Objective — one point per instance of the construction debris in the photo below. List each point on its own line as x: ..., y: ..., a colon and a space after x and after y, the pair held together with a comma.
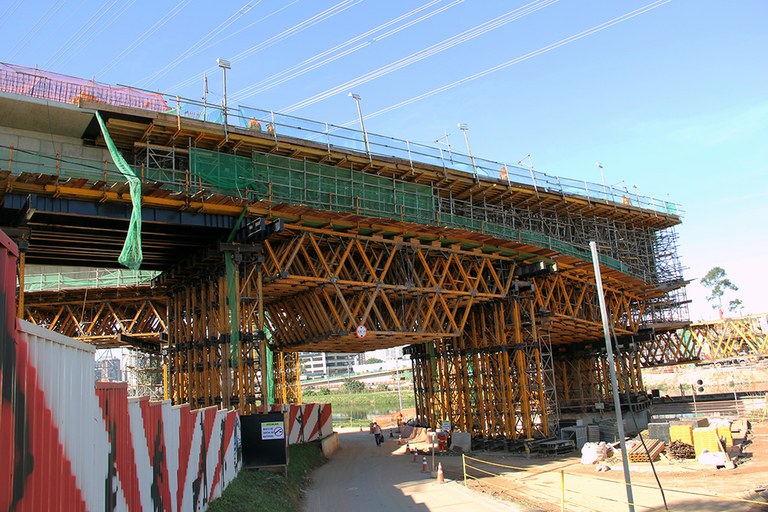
x: 681, y: 450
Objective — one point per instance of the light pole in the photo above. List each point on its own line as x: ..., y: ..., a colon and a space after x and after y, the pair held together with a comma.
x: 357, y: 98
x: 224, y: 65
x: 464, y: 127
x: 397, y: 377
x: 602, y: 176
x: 612, y: 370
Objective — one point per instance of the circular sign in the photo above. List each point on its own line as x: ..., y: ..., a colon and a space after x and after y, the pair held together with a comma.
x: 361, y: 331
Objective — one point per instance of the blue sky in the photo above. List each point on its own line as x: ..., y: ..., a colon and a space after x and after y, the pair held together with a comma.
x: 674, y: 100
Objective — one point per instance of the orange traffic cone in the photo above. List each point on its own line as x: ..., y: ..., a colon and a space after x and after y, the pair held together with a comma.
x: 407, y: 448
x: 400, y: 440
x: 361, y: 429
x: 415, y: 455
x: 440, y: 477
x: 424, y: 465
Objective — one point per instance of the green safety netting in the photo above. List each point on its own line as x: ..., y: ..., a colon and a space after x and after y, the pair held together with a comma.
x: 283, y: 179
x: 131, y: 255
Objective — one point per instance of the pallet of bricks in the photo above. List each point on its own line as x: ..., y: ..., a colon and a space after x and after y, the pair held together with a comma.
x: 638, y: 452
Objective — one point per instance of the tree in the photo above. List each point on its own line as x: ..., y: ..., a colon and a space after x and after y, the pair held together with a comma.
x: 373, y: 360
x: 717, y: 282
x: 353, y: 386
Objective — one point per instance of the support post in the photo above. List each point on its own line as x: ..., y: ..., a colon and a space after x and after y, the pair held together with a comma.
x: 612, y: 368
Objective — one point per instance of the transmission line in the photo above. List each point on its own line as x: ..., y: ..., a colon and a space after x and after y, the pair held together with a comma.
x: 295, y: 29
x: 329, y: 55
x: 446, y: 44
x: 517, y: 60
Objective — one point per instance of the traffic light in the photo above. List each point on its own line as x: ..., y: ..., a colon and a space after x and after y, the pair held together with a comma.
x: 699, y: 386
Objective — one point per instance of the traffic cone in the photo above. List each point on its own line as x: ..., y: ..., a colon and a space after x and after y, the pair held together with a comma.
x: 440, y: 477
x: 361, y: 429
x: 424, y: 465
x: 400, y: 440
x: 407, y: 448
x: 415, y: 455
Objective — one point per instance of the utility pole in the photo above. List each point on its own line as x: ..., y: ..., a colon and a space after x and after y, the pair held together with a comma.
x: 612, y: 367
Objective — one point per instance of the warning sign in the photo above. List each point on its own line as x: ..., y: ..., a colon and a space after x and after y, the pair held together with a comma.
x: 272, y: 430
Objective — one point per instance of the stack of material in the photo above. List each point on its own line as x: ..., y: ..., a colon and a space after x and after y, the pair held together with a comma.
x: 593, y: 433
x: 659, y: 431
x: 681, y: 450
x: 609, y: 431
x: 681, y: 432
x: 638, y: 453
x: 581, y: 435
x: 706, y: 439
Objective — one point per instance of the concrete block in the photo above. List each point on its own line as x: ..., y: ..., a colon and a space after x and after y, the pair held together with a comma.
x: 330, y: 444
x: 461, y: 442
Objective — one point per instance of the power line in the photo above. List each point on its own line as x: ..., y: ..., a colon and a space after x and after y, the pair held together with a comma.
x: 143, y: 37
x: 8, y: 12
x: 74, y: 38
x: 517, y: 60
x: 41, y: 21
x: 423, y: 54
x: 328, y: 56
x: 94, y: 32
x: 242, y: 11
x: 295, y: 29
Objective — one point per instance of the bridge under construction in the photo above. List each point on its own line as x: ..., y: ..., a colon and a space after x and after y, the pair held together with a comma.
x: 254, y: 236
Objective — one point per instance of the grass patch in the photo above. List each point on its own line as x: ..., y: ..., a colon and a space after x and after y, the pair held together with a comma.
x: 380, y: 401
x: 265, y: 490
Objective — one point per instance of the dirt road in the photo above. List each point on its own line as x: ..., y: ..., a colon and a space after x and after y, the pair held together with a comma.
x: 364, y: 477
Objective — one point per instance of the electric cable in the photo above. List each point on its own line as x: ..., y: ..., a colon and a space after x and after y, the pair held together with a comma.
x: 41, y: 21
x: 617, y: 350
x: 242, y: 11
x: 295, y: 29
x: 436, y: 48
x: 516, y: 60
x: 145, y: 35
x: 328, y: 55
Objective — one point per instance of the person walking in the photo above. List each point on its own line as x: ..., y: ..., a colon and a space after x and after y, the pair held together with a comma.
x: 377, y: 434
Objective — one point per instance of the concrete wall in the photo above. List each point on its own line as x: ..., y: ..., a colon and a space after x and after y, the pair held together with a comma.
x: 49, y: 144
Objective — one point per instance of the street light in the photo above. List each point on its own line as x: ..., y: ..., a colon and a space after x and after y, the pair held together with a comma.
x: 605, y: 189
x: 224, y: 65
x: 397, y: 377
x: 464, y: 127
x: 357, y: 98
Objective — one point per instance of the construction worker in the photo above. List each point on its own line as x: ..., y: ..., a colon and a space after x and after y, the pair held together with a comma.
x: 503, y: 175
x: 377, y: 434
x: 270, y: 129
x: 254, y: 125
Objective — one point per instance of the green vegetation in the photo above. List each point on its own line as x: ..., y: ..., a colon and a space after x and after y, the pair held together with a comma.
x: 373, y: 360
x: 377, y: 401
x: 718, y: 283
x: 265, y: 490
x: 354, y: 386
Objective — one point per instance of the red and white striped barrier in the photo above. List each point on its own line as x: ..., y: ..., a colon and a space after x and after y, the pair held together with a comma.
x: 309, y: 422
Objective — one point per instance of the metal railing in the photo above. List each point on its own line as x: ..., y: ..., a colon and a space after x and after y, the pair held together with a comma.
x: 56, y: 87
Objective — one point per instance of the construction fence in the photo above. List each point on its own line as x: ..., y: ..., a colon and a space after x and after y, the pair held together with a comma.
x: 573, y: 491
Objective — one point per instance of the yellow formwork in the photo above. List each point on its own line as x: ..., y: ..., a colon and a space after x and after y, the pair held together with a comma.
x: 706, y: 438
x: 682, y: 433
